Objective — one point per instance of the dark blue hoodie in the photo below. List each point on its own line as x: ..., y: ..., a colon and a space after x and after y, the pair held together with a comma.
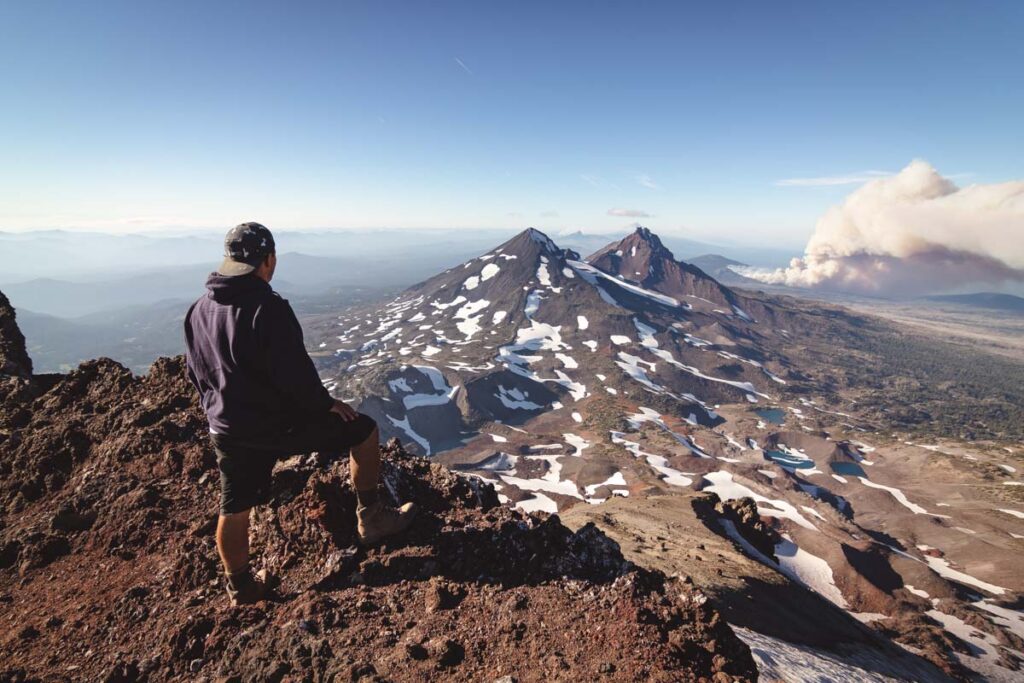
x: 246, y: 357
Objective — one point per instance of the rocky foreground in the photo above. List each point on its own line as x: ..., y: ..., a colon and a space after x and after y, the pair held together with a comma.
x: 108, y: 569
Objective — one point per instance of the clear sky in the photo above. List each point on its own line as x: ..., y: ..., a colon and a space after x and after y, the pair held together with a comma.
x: 692, y: 118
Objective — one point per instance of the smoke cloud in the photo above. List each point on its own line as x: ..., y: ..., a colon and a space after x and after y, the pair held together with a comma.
x: 910, y: 234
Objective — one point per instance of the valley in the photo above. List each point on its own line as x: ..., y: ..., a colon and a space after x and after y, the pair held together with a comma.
x: 884, y: 482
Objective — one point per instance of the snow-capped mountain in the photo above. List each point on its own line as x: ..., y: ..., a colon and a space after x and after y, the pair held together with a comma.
x: 642, y: 258
x: 529, y: 328
x: 629, y: 374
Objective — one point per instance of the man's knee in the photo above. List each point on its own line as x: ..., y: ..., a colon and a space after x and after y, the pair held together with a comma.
x: 370, y: 427
x: 237, y: 517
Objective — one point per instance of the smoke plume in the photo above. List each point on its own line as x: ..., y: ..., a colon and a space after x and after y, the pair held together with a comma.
x: 913, y: 233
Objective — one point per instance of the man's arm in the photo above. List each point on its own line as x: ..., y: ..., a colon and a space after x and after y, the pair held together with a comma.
x: 289, y: 366
x: 188, y: 349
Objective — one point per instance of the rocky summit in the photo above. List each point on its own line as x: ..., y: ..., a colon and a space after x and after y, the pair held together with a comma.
x: 108, y: 570
x: 642, y: 257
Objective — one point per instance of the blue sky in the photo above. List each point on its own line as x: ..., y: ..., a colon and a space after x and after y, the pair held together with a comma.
x: 136, y: 115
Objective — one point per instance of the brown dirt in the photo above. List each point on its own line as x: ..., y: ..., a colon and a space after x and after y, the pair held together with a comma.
x: 108, y: 569
x: 671, y: 533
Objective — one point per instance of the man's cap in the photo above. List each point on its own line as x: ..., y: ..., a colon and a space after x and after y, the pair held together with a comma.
x: 245, y: 247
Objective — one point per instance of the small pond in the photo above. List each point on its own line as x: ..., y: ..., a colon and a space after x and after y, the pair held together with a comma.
x: 850, y: 468
x: 776, y: 416
x: 793, y: 462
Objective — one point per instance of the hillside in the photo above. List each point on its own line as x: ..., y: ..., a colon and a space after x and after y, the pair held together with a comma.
x: 629, y: 377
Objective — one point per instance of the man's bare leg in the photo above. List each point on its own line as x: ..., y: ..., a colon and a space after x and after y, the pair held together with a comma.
x: 364, y: 461
x: 375, y: 520
x: 233, y: 547
x: 233, y: 541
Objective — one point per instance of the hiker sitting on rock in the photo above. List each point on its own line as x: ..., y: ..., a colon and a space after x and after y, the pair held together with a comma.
x: 264, y: 401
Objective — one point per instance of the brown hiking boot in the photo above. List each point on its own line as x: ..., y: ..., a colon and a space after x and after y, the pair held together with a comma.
x: 377, y: 521
x: 245, y: 589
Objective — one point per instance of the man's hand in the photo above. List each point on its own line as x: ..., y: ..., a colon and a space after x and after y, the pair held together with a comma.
x: 345, y: 410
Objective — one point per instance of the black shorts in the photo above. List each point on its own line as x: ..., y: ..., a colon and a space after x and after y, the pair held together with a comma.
x: 246, y: 464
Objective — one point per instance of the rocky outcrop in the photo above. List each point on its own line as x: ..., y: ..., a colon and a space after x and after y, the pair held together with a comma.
x: 16, y: 385
x: 108, y: 568
x: 14, y: 359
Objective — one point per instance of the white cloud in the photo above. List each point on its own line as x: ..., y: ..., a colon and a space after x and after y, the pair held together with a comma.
x: 463, y: 65
x: 629, y: 213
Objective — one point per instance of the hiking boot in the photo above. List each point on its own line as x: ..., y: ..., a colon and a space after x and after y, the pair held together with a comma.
x: 245, y: 589
x: 377, y: 521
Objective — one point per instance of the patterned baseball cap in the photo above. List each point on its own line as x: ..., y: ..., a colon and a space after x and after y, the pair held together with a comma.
x: 245, y: 247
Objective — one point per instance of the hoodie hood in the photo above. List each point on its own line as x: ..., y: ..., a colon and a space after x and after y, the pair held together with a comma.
x: 228, y: 289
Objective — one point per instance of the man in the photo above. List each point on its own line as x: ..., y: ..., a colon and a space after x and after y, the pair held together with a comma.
x: 264, y: 401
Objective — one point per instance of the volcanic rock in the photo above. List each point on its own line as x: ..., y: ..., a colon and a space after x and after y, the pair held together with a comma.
x: 103, y: 533
x: 14, y: 359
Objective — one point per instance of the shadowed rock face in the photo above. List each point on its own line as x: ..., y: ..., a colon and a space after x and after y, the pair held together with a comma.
x: 108, y: 492
x: 17, y: 387
x: 14, y: 358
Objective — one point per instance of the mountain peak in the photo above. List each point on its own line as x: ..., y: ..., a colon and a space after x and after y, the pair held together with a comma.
x: 530, y: 244
x: 646, y: 234
x: 547, y: 244
x: 641, y: 257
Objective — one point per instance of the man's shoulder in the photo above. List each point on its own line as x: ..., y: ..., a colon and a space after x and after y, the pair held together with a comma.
x: 275, y: 300
x: 275, y: 305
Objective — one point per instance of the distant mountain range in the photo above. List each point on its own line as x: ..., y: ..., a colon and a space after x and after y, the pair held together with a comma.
x: 83, y: 256
x: 721, y: 268
x: 319, y: 259
x: 992, y: 300
x: 135, y: 335
x: 297, y: 274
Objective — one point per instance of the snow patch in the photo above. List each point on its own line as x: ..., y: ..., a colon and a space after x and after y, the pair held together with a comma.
x: 727, y: 489
x: 403, y: 424
x: 538, y: 503
x: 810, y: 570
x: 900, y: 497
x: 659, y: 463
x: 489, y: 271
x: 515, y: 399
